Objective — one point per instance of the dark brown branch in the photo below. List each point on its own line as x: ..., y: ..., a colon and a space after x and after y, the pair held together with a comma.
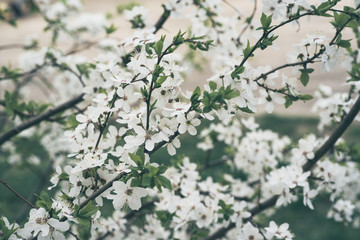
x: 35, y: 120
x: 17, y: 194
x: 344, y: 124
x: 160, y: 144
x: 101, y: 190
x: 160, y: 22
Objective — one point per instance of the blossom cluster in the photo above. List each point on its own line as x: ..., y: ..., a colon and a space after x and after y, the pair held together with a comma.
x: 134, y: 105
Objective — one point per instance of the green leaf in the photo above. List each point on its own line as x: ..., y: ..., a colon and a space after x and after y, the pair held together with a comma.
x: 161, y: 80
x: 238, y: 70
x: 138, y: 158
x: 166, y: 183
x: 344, y: 43
x: 112, y: 28
x: 135, y: 182
x: 146, y: 180
x: 304, y: 78
x: 196, y: 94
x: 159, y: 46
x: 212, y: 85
x: 165, y: 218
x: 84, y: 221
x: 305, y: 97
x: 246, y: 110
x: 44, y: 201
x: 288, y: 101
x: 88, y: 210
x: 5, y: 232
x: 179, y: 38
x: 339, y: 20
x: 162, y: 169
x: 232, y: 94
x: 265, y: 21
x: 247, y: 50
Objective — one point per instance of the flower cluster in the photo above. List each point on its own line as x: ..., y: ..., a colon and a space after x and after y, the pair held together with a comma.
x: 134, y: 108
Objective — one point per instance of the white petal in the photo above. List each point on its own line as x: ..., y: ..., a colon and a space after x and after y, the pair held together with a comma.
x: 269, y: 107
x: 134, y: 203
x: 192, y: 130
x: 181, y: 118
x: 171, y: 149
x: 60, y: 226
x: 182, y: 128
x: 149, y: 145
x: 81, y: 118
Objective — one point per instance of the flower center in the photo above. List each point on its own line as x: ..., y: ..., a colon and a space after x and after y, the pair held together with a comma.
x: 41, y: 221
x: 129, y: 191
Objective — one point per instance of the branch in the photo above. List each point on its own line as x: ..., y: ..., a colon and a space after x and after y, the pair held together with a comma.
x: 46, y: 174
x: 35, y: 120
x: 101, y: 190
x: 160, y: 22
x: 10, y: 46
x: 248, y: 20
x: 32, y: 71
x: 215, y: 163
x: 344, y: 124
x: 17, y: 194
x: 162, y: 143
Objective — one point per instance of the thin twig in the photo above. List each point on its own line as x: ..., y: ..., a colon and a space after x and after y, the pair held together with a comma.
x: 11, y: 46
x: 17, y: 194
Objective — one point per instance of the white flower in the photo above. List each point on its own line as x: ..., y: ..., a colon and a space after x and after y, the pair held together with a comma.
x: 188, y: 124
x: 126, y: 194
x: 90, y: 160
x: 248, y: 231
x: 280, y: 232
x: 171, y: 146
x: 40, y: 223
x: 331, y: 57
x: 342, y: 211
x: 127, y: 97
x: 308, y: 195
x: 142, y: 136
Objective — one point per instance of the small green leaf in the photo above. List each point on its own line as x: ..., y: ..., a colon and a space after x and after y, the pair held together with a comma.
x: 247, y: 50
x: 288, y: 101
x: 166, y: 183
x: 238, y: 70
x: 146, y: 181
x: 88, y: 210
x: 137, y: 159
x: 305, y: 97
x: 212, y: 85
x: 135, y: 182
x: 304, y: 78
x: 159, y: 46
x: 265, y: 21
x: 112, y: 28
x: 344, y: 43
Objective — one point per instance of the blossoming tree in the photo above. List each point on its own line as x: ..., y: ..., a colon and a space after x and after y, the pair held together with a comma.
x: 107, y: 116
